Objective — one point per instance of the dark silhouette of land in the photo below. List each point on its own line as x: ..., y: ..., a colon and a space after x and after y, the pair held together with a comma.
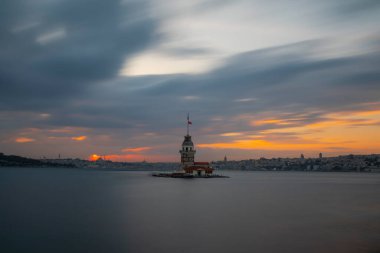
x: 347, y: 163
x: 19, y: 161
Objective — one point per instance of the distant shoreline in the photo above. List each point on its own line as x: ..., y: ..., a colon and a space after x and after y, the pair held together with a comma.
x: 348, y: 163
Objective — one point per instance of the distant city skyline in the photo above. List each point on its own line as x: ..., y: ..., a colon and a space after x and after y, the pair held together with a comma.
x: 259, y: 78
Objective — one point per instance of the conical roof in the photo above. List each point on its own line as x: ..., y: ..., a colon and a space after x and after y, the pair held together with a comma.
x: 187, y: 141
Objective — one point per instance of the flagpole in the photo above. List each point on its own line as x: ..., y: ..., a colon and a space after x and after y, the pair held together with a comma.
x: 187, y: 123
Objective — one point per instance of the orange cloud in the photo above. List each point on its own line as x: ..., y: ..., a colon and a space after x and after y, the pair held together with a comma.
x: 79, y: 138
x: 270, y: 122
x: 267, y: 145
x: 231, y: 134
x: 24, y: 140
x: 69, y: 130
x: 134, y: 158
x: 367, y: 113
x: 357, y: 113
x: 357, y: 131
x: 125, y: 157
x: 343, y: 122
x: 137, y: 149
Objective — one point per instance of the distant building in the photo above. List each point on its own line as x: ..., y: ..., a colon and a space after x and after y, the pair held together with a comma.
x: 320, y: 155
x: 225, y: 158
x: 302, y: 156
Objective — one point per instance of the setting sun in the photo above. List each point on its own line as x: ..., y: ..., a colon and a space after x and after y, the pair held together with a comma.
x: 94, y: 157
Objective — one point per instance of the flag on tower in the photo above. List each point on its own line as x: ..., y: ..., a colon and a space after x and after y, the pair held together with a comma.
x: 188, y: 120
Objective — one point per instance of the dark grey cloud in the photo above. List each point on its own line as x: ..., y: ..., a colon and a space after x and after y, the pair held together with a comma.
x: 55, y: 50
x: 357, y: 7
x: 59, y: 63
x: 62, y: 58
x: 284, y: 81
x: 188, y: 52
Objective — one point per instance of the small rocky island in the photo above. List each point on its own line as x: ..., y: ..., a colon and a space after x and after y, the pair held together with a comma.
x: 189, y: 168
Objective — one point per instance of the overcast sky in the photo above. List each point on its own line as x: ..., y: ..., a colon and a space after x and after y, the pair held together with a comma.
x: 259, y: 78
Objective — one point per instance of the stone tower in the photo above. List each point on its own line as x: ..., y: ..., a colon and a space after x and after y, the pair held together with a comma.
x: 187, y: 152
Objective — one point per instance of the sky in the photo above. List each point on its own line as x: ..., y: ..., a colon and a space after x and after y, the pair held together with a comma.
x: 116, y: 79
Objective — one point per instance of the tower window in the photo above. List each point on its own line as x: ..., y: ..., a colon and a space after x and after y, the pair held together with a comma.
x: 187, y: 149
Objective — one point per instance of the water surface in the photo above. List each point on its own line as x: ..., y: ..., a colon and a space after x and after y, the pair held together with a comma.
x: 74, y: 210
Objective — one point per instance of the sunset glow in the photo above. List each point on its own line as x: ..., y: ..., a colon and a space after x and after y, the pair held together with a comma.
x: 115, y: 113
x: 79, y: 138
x: 24, y: 140
x: 259, y: 78
x: 94, y: 157
x: 132, y: 158
x: 231, y: 134
x: 349, y: 132
x: 270, y: 122
x: 137, y: 149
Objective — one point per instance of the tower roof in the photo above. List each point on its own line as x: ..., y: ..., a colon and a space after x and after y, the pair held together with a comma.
x: 187, y: 141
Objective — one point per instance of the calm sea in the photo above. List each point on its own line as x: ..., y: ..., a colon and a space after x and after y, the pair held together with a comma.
x: 73, y: 210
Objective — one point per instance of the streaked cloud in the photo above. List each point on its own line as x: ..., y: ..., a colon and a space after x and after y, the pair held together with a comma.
x: 266, y: 145
x: 24, y: 27
x: 138, y: 158
x: 231, y: 134
x: 258, y: 78
x: 51, y: 36
x: 341, y: 130
x: 79, y: 138
x: 245, y: 100
x: 44, y: 115
x: 271, y: 122
x: 24, y: 140
x: 155, y: 63
x: 137, y: 149
x: 191, y: 97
